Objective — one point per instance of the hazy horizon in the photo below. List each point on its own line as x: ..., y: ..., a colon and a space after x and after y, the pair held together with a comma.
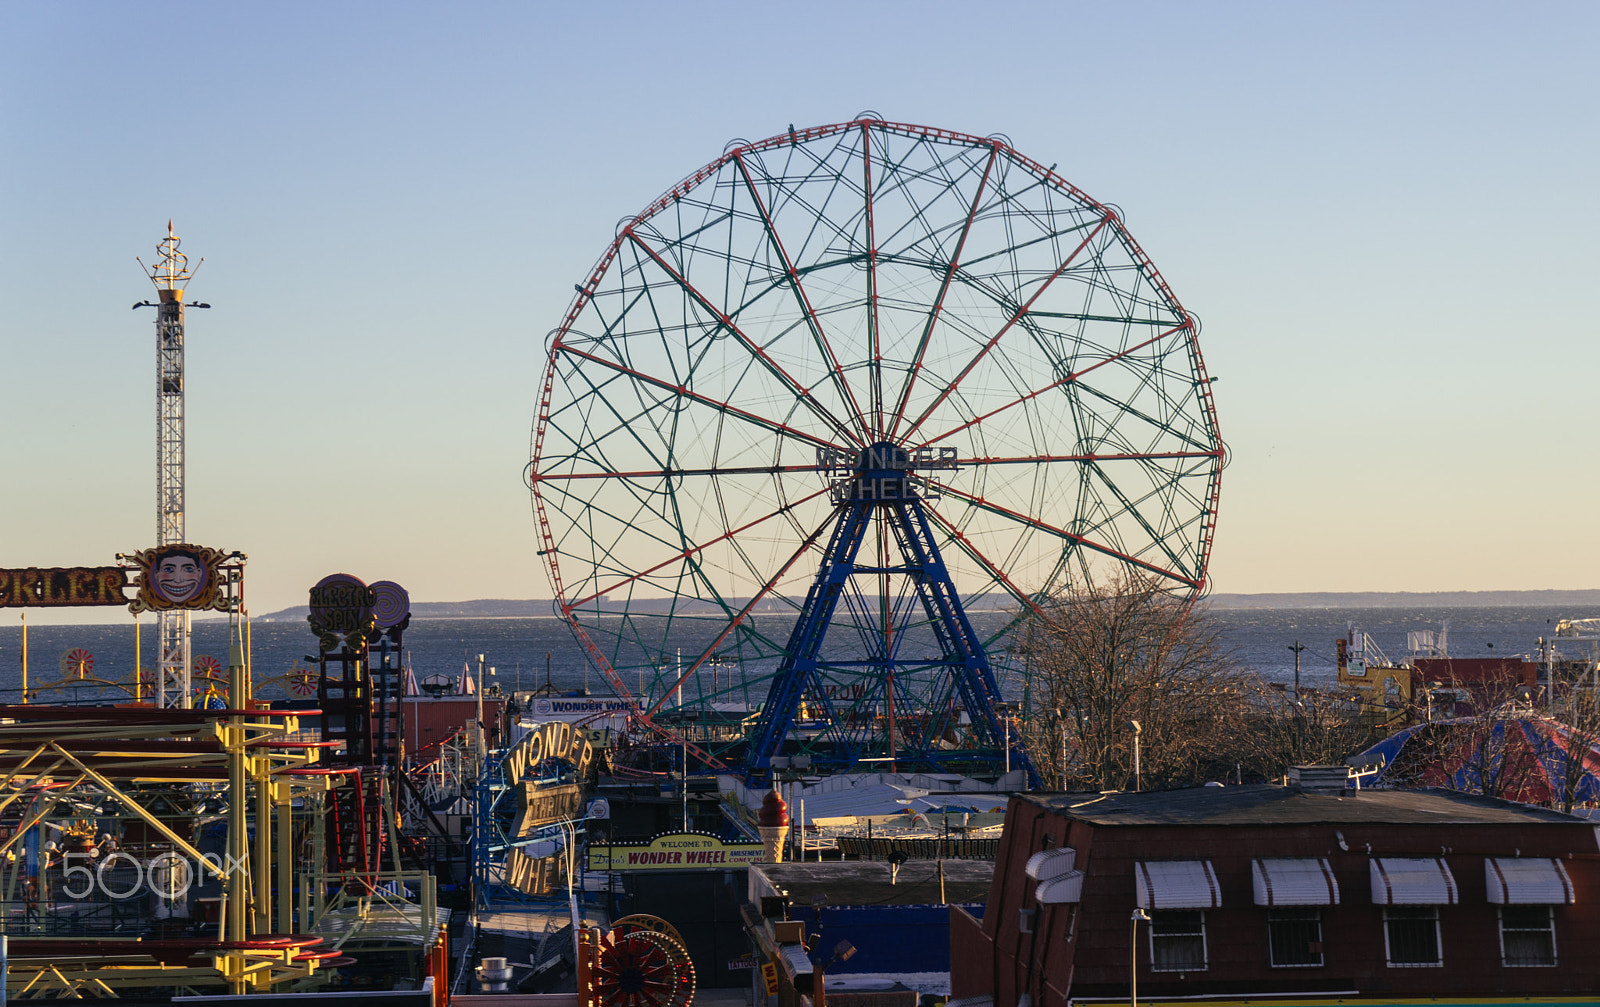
x: 1229, y: 602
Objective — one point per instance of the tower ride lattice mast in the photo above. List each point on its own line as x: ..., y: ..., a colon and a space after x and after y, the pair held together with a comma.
x: 170, y: 274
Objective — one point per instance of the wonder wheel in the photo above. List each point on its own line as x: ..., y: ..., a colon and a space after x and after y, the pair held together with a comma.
x: 834, y: 410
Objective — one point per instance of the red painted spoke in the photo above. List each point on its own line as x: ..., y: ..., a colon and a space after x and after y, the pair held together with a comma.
x: 736, y: 620
x: 944, y: 288
x: 673, y: 440
x: 609, y: 673
x: 747, y: 470
x: 1135, y: 456
x: 834, y: 367
x: 1074, y: 376
x: 1017, y: 316
x: 874, y: 348
x: 717, y: 404
x: 973, y: 551
x: 1082, y: 540
x: 801, y: 393
x: 680, y: 557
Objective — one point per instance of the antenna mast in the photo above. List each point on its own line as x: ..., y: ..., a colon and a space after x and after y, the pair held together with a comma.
x: 170, y: 274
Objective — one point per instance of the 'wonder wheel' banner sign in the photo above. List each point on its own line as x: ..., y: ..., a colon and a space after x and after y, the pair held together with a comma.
x: 674, y: 851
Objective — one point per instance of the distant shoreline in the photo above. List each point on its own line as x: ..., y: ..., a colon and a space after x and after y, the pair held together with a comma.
x: 540, y: 608
x: 1404, y: 599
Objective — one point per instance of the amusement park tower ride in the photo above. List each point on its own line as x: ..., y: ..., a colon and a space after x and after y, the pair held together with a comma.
x: 170, y: 274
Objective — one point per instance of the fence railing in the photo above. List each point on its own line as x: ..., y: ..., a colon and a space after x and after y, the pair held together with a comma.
x: 862, y: 848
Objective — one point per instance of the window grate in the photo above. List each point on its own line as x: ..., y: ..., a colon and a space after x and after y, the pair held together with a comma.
x: 1527, y: 936
x: 1411, y: 935
x: 1178, y: 941
x: 1294, y: 937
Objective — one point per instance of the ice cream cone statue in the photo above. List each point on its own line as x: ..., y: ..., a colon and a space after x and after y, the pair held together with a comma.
x: 773, y: 822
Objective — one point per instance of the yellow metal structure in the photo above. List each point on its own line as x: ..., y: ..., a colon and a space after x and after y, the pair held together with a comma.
x: 55, y: 761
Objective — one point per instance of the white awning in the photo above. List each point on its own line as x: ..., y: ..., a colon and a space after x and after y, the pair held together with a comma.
x: 1177, y: 884
x: 1527, y: 881
x: 1047, y: 864
x: 1412, y: 881
x: 1061, y: 889
x: 1294, y: 881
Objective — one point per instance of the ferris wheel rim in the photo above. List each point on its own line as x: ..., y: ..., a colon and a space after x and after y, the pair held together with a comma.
x: 1207, y: 456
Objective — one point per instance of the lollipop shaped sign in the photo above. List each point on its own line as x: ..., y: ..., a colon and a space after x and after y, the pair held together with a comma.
x: 391, y: 605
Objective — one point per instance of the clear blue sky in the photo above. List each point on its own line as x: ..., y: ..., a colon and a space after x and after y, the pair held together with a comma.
x: 1385, y: 215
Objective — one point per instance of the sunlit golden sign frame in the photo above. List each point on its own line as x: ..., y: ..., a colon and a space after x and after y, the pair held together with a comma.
x: 181, y: 578
x: 63, y: 587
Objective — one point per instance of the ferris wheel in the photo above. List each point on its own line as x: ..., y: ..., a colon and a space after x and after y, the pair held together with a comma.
x: 827, y: 415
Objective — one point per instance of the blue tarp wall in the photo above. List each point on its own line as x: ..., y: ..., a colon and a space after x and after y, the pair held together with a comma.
x: 887, y: 938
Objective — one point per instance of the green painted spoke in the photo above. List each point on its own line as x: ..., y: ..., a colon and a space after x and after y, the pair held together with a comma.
x: 801, y: 297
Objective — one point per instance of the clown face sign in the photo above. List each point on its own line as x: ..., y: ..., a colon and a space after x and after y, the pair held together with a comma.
x: 179, y: 577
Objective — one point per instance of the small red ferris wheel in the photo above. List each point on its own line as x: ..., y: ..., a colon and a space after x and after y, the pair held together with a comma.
x: 77, y: 663
x: 302, y: 681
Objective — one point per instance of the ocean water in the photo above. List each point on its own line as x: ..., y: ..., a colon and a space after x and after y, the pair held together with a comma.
x: 517, y: 648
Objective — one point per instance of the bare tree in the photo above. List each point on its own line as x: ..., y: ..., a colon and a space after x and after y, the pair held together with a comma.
x: 1569, y: 748
x: 1282, y: 730
x: 1103, y: 658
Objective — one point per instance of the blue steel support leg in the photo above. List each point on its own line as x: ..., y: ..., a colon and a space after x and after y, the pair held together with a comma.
x: 964, y: 651
x: 882, y: 485
x: 800, y: 654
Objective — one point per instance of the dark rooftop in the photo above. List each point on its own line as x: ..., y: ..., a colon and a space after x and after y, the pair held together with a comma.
x: 1269, y: 805
x: 866, y: 882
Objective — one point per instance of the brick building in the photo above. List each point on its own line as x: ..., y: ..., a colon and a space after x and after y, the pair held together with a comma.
x: 1293, y: 892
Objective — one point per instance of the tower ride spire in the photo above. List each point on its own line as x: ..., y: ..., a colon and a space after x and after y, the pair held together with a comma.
x: 170, y: 274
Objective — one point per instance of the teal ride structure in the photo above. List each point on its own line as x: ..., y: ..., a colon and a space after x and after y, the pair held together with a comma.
x: 832, y: 414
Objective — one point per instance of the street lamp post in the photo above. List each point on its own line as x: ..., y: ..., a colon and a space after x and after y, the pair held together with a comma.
x: 1062, y: 721
x: 1137, y: 781
x: 1139, y: 916
x: 480, y: 732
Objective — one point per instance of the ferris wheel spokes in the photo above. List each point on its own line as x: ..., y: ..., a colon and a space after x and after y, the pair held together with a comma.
x: 801, y: 392
x: 915, y: 370
x: 687, y: 394
x: 693, y: 550
x: 738, y: 620
x: 749, y: 338
x: 1011, y: 322
x: 835, y: 370
x: 1071, y: 378
x: 1076, y: 539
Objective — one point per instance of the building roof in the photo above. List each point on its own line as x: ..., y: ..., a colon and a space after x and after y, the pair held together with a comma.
x: 1269, y: 805
x: 866, y: 882
x: 853, y: 795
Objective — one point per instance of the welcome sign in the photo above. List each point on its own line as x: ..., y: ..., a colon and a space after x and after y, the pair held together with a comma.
x: 573, y: 708
x: 674, y: 851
